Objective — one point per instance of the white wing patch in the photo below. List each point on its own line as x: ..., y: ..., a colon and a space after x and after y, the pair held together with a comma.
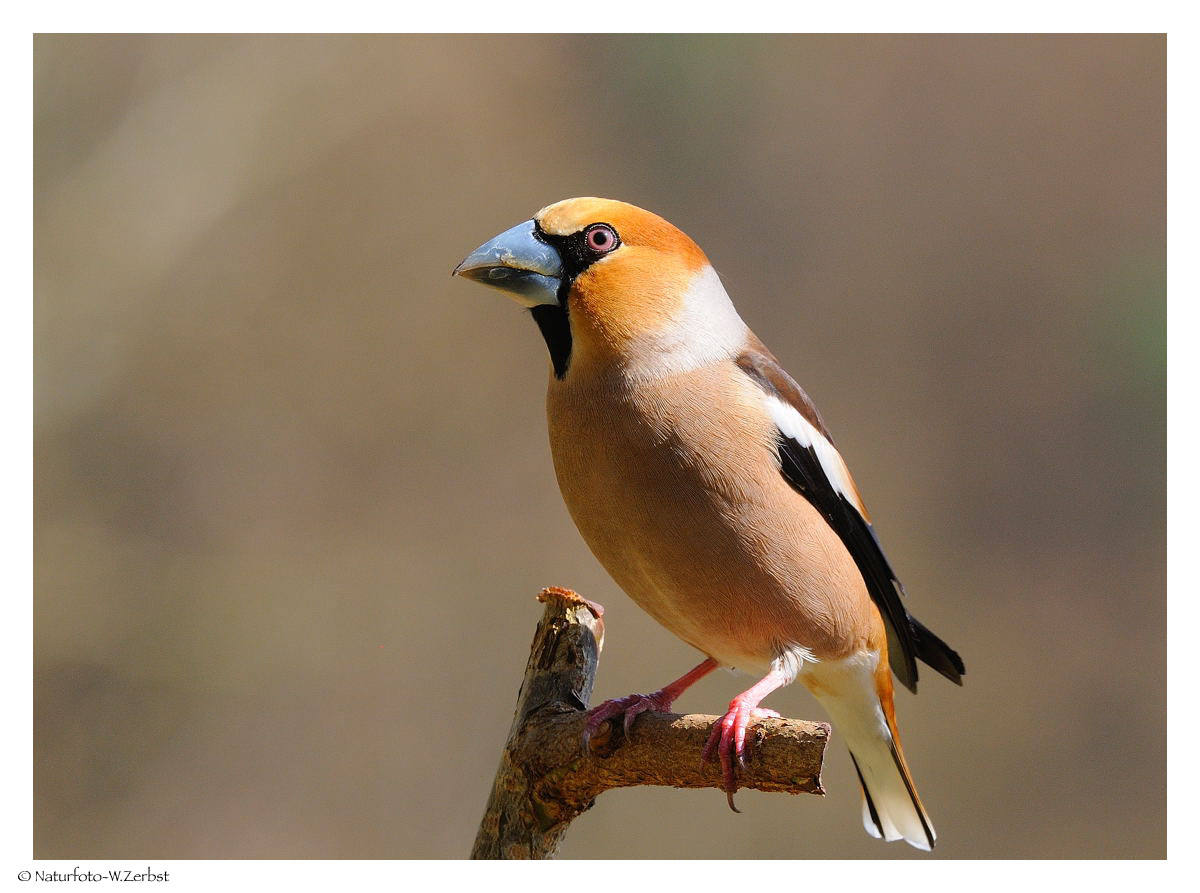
x: 798, y: 428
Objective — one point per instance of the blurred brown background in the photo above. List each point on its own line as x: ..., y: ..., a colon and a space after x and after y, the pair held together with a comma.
x: 293, y: 496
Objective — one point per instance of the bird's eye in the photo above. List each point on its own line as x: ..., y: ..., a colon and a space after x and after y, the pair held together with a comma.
x: 601, y: 238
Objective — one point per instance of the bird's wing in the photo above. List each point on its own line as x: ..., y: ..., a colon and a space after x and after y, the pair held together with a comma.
x: 813, y: 466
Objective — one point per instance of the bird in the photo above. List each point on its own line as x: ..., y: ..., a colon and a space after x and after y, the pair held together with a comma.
x: 705, y: 482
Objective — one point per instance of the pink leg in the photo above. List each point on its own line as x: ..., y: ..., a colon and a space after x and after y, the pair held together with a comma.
x: 729, y: 733
x: 633, y: 705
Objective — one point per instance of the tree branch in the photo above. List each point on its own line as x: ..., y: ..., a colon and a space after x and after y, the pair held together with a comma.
x: 546, y: 779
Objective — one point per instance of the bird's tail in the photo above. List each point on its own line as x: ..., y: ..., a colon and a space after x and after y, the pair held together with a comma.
x: 857, y: 693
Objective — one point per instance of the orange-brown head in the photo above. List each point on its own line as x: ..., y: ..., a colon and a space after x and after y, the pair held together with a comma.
x: 609, y: 282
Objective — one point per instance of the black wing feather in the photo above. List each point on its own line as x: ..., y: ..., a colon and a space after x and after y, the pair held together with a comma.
x: 908, y: 639
x: 803, y: 471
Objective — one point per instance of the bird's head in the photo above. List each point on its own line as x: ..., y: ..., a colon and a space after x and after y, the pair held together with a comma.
x: 609, y: 282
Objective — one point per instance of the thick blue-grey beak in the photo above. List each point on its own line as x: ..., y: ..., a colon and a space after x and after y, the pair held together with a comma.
x: 519, y: 263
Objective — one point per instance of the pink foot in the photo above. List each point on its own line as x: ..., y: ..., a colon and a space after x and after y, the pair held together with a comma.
x: 728, y: 737
x: 630, y: 705
x: 633, y: 705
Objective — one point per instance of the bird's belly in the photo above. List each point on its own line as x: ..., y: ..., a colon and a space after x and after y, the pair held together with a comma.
x: 689, y: 514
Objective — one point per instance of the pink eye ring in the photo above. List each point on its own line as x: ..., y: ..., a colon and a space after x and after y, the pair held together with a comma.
x: 601, y: 238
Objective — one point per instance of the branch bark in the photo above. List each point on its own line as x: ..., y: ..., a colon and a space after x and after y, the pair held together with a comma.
x: 546, y: 779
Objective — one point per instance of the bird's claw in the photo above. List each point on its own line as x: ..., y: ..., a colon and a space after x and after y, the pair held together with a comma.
x: 728, y: 740
x: 631, y: 706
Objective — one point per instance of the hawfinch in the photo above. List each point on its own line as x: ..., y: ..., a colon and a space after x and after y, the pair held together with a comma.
x: 703, y: 479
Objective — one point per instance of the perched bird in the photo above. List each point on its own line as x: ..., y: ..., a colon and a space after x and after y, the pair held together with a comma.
x: 703, y: 479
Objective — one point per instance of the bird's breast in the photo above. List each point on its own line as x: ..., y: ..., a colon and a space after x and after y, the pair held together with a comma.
x: 674, y: 484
